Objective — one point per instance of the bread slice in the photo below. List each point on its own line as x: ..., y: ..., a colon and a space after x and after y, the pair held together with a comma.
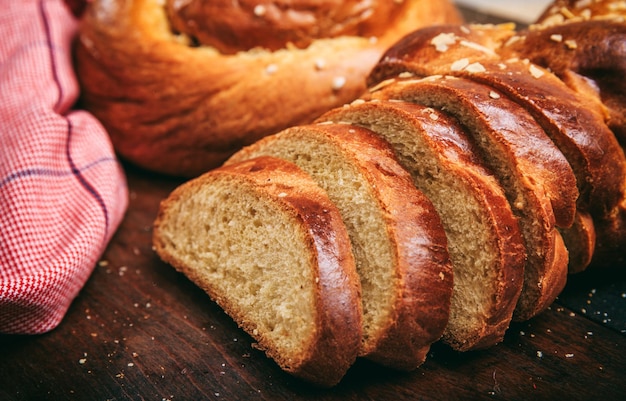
x: 265, y: 242
x: 397, y: 237
x: 484, y: 238
x: 536, y: 177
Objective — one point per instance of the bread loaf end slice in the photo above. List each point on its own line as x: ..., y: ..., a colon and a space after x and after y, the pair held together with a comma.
x: 265, y: 242
x: 397, y: 238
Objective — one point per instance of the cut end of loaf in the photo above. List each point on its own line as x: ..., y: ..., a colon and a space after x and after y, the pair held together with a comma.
x: 266, y: 244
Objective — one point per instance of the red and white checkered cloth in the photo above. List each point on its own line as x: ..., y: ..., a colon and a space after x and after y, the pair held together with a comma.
x: 62, y: 191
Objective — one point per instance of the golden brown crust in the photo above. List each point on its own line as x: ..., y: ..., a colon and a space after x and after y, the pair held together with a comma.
x: 580, y: 241
x: 174, y: 107
x: 421, y: 298
x: 523, y: 143
x: 524, y: 159
x: 563, y: 114
x: 560, y: 111
x: 422, y: 304
x: 334, y: 344
x: 438, y: 48
x: 457, y: 156
x: 585, y: 49
x: 239, y: 26
x: 590, y: 49
x: 582, y: 43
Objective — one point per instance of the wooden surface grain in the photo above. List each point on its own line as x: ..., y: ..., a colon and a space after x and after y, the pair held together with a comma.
x: 141, y: 331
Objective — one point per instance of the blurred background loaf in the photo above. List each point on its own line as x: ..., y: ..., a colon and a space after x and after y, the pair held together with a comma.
x: 178, y: 96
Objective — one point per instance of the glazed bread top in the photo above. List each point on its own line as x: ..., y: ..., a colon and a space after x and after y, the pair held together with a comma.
x: 239, y: 26
x: 173, y: 102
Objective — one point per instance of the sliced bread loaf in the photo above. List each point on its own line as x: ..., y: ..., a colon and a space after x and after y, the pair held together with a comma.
x: 583, y: 45
x: 537, y: 179
x: 471, y: 51
x: 562, y: 113
x: 397, y: 237
x: 484, y: 239
x: 265, y: 242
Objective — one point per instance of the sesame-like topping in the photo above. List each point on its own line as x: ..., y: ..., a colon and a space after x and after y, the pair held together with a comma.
x: 259, y: 10
x: 271, y: 69
x: 443, y: 41
x: 571, y: 44
x: 338, y: 83
x: 431, y: 78
x: 432, y: 114
x: 320, y: 64
x: 476, y: 46
x: 514, y: 39
x: 458, y: 65
x: 566, y: 13
x: 556, y: 37
x: 406, y: 74
x: 535, y: 71
x: 382, y: 84
x: 494, y: 95
x: 507, y: 26
x: 475, y: 67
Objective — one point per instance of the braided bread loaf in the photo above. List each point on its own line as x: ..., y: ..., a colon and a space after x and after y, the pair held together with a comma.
x: 180, y: 86
x: 519, y: 152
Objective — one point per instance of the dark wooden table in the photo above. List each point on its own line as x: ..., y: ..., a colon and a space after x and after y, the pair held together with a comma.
x: 141, y: 331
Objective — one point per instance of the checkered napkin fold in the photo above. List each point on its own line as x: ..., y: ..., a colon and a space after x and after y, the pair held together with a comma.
x: 62, y: 191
